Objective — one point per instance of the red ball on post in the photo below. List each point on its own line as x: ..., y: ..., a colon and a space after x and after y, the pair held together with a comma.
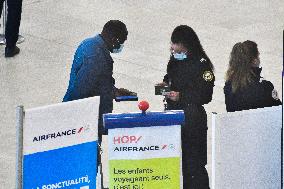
x: 143, y: 105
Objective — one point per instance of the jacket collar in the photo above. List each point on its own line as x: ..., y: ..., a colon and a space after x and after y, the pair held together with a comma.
x: 101, y: 41
x: 102, y: 44
x: 257, y: 72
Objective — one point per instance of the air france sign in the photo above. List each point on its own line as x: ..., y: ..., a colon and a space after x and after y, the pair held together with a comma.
x: 60, y: 146
x: 58, y: 134
x: 144, y: 157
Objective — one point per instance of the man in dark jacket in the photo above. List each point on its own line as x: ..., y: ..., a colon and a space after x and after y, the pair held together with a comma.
x: 92, y: 69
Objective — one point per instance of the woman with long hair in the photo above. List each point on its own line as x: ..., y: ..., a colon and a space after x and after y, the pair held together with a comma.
x: 245, y: 88
x: 191, y: 81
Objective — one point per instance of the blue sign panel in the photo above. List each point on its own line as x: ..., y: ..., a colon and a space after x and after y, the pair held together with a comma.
x: 70, y: 167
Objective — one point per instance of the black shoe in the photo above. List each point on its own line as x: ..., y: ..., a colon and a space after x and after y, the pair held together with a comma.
x: 10, y: 52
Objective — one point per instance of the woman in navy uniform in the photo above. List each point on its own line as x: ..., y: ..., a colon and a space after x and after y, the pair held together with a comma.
x: 245, y: 88
x: 191, y: 81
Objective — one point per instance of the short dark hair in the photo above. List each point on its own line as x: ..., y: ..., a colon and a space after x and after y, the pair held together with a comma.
x: 116, y: 28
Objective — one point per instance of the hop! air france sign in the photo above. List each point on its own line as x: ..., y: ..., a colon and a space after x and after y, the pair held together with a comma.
x: 144, y: 157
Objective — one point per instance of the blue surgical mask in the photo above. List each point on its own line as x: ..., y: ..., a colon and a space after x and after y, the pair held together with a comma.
x: 118, y: 50
x: 180, y: 56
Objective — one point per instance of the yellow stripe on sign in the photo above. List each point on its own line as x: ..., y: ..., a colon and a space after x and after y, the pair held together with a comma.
x: 145, y: 174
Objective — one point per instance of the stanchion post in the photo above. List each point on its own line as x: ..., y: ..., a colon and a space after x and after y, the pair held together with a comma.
x: 4, y: 19
x: 213, y: 169
x: 4, y: 16
x: 19, y: 143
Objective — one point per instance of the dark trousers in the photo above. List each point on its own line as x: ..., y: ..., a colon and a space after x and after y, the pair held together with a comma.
x: 13, y: 21
x: 194, y: 148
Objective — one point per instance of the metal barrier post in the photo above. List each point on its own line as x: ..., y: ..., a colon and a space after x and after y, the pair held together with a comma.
x: 19, y: 143
x: 4, y: 19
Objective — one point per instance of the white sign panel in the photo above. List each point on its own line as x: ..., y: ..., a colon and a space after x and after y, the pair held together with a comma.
x: 246, y: 149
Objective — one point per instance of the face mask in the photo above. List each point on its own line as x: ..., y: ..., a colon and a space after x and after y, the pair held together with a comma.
x: 118, y: 50
x: 180, y: 56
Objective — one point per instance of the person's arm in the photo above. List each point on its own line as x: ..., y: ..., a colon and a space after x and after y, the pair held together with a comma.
x: 76, y: 65
x: 200, y: 91
x: 271, y: 97
x: 94, y: 75
x: 105, y: 86
x: 230, y: 106
x: 166, y: 79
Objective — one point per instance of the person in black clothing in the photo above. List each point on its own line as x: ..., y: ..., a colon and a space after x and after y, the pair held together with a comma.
x: 191, y: 81
x: 245, y: 88
x: 12, y: 26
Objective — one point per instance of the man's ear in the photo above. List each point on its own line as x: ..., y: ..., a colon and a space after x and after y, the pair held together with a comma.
x: 113, y: 41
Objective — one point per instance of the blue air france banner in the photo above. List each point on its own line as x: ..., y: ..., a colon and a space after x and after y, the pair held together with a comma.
x: 144, y: 150
x: 60, y: 145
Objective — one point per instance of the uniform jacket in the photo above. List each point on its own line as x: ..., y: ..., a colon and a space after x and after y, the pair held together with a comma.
x: 258, y: 94
x: 91, y: 74
x: 193, y: 78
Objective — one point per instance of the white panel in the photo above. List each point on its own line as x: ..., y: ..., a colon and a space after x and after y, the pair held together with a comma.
x: 163, y: 141
x: 247, y: 149
x: 44, y: 127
